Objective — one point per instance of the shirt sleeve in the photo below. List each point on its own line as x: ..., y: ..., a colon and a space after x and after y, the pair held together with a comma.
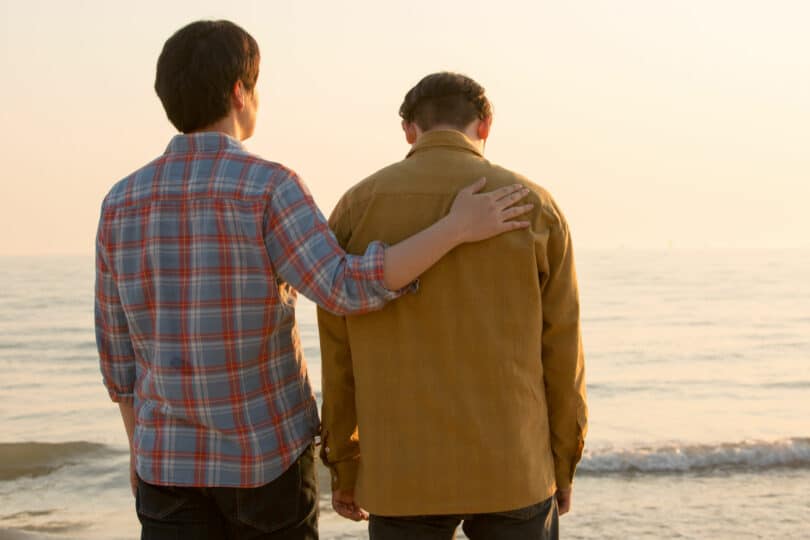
x: 563, y: 358
x: 305, y: 254
x: 116, y: 354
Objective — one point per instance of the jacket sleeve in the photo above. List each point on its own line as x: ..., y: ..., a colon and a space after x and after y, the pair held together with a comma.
x: 341, y: 446
x: 563, y: 359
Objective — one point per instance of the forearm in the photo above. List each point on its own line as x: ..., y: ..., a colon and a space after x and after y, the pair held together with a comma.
x: 307, y: 255
x: 341, y: 445
x: 407, y: 260
x: 568, y: 425
x: 471, y: 218
x: 339, y: 433
x: 128, y: 416
x: 564, y: 374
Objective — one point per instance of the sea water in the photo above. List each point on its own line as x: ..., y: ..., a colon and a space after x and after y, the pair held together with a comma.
x: 698, y: 368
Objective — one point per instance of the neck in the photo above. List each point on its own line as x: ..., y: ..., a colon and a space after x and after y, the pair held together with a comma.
x: 227, y: 125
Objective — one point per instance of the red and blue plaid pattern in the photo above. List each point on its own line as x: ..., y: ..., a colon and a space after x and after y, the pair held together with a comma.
x: 199, y: 255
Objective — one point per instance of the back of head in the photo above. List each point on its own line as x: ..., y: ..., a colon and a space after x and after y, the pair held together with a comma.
x: 197, y: 71
x: 445, y: 99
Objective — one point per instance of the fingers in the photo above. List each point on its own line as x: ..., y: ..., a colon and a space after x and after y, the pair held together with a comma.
x: 516, y: 211
x: 507, y: 226
x: 350, y: 511
x: 347, y: 513
x: 509, y: 195
x: 476, y: 187
x: 511, y: 199
x: 344, y: 504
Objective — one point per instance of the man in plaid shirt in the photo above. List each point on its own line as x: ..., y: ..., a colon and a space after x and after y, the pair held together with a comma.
x: 199, y: 257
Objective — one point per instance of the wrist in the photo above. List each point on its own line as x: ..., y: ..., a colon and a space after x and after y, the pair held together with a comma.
x: 344, y: 475
x: 563, y: 473
x: 452, y: 231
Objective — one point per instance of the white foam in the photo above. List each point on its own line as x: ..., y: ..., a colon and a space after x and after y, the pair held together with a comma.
x: 745, y: 455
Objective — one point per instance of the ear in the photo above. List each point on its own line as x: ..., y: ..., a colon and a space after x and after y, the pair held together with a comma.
x: 483, y: 128
x: 410, y: 131
x: 238, y: 96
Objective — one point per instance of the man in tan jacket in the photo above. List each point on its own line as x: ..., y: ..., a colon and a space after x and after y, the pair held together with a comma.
x: 464, y: 402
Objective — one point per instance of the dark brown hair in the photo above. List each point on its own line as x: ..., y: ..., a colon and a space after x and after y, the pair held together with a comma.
x: 445, y: 98
x: 197, y: 69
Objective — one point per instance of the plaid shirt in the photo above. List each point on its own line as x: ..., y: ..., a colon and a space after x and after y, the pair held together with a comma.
x: 198, y: 255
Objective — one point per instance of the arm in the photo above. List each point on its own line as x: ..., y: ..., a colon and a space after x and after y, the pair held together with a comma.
x: 471, y: 218
x: 128, y: 416
x: 305, y: 253
x: 563, y: 360
x: 340, y: 449
x: 116, y: 355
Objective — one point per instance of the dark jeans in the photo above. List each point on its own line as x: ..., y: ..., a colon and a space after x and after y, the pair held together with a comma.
x: 284, y: 509
x: 536, y: 522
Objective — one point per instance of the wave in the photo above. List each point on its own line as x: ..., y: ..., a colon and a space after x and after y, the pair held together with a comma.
x: 785, y: 384
x: 46, y: 532
x: 33, y: 459
x: 791, y: 453
x: 668, y: 387
x: 13, y: 534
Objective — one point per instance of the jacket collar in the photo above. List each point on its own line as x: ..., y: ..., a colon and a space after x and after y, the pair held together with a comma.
x: 445, y: 138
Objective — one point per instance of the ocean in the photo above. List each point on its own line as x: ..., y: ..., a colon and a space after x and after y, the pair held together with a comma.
x: 698, y: 368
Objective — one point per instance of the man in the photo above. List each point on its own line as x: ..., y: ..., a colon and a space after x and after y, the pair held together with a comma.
x: 199, y: 254
x: 465, y: 401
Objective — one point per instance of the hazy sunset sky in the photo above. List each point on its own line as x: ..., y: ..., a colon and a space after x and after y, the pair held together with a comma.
x: 654, y: 123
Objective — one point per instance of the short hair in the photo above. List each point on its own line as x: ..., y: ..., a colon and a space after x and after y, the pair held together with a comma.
x: 445, y: 98
x: 197, y: 69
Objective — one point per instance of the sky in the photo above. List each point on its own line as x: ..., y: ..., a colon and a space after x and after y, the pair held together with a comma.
x: 654, y: 124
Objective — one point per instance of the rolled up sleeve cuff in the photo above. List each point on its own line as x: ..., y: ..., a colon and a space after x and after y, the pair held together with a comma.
x: 372, y: 266
x: 121, y: 397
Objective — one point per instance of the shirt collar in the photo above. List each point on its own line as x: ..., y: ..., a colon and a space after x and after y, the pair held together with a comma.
x: 445, y: 138
x: 206, y: 141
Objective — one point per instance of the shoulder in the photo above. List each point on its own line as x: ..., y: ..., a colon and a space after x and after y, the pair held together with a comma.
x: 260, y: 176
x: 131, y: 188
x: 358, y: 196
x: 538, y: 195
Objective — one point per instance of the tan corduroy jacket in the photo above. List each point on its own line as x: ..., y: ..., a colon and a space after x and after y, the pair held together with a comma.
x: 467, y: 396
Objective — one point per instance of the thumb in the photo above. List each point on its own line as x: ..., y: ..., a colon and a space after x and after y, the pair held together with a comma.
x: 476, y: 187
